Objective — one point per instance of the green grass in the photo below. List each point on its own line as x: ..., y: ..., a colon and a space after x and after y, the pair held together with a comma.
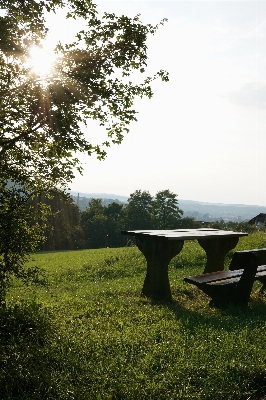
x: 83, y: 331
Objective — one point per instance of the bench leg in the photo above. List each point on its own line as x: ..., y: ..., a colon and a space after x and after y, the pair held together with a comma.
x: 245, y: 284
x: 158, y: 253
x: 221, y: 295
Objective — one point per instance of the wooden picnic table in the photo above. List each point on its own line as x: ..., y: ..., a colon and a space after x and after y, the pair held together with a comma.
x: 160, y: 246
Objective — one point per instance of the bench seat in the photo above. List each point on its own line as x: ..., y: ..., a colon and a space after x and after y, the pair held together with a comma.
x: 224, y: 276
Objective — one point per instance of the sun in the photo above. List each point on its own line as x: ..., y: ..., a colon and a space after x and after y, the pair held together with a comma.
x: 42, y: 61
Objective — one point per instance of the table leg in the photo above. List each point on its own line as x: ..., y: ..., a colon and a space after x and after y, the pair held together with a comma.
x: 158, y: 253
x: 216, y: 250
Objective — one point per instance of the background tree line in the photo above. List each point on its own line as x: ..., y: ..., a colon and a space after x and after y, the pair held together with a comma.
x: 101, y: 225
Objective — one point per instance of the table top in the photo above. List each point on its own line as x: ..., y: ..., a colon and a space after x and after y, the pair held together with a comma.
x: 185, y: 234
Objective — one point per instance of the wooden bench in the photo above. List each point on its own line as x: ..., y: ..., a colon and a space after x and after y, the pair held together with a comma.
x: 233, y: 285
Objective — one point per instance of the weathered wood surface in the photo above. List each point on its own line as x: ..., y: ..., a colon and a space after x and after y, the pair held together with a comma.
x: 216, y: 249
x: 160, y: 246
x: 185, y: 234
x: 158, y: 254
x: 230, y: 286
x: 261, y: 272
x: 223, y: 276
x: 215, y: 242
x: 213, y: 277
x: 239, y: 258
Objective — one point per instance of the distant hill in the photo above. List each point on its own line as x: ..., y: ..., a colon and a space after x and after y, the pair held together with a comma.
x: 101, y: 196
x: 199, y: 210
x: 83, y: 199
x: 213, y: 211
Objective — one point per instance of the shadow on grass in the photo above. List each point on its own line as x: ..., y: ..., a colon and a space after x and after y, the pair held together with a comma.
x: 248, y: 381
x: 24, y: 362
x: 35, y: 365
x: 227, y: 318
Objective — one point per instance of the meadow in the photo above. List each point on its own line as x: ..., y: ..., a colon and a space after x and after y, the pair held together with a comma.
x: 82, y: 331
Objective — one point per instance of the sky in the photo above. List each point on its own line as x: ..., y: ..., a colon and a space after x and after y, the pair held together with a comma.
x: 203, y: 134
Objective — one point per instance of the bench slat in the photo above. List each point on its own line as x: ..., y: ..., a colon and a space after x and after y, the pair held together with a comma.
x: 261, y: 268
x: 213, y: 276
x: 221, y: 275
x: 208, y: 278
x: 260, y: 274
x: 225, y: 281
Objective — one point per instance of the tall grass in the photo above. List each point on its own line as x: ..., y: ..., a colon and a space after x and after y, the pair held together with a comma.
x: 84, y: 332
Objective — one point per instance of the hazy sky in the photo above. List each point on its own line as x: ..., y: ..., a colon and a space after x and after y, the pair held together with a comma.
x: 203, y: 134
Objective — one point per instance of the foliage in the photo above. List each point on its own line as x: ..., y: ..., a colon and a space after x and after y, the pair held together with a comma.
x: 18, y: 236
x: 137, y: 213
x: 89, y: 332
x: 62, y: 229
x: 165, y: 210
x: 145, y: 212
x: 235, y: 226
x: 188, y: 223
x: 101, y: 225
x: 43, y: 119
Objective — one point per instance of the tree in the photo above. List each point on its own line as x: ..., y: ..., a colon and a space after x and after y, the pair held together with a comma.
x: 94, y: 224
x: 114, y: 212
x: 18, y: 236
x: 95, y: 207
x: 137, y: 214
x: 188, y: 223
x: 42, y: 118
x: 166, y: 212
x: 101, y: 225
x: 62, y: 230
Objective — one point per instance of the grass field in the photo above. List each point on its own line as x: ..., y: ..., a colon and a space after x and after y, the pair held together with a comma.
x: 82, y: 331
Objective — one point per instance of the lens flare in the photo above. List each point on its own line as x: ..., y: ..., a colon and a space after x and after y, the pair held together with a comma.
x: 42, y: 61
